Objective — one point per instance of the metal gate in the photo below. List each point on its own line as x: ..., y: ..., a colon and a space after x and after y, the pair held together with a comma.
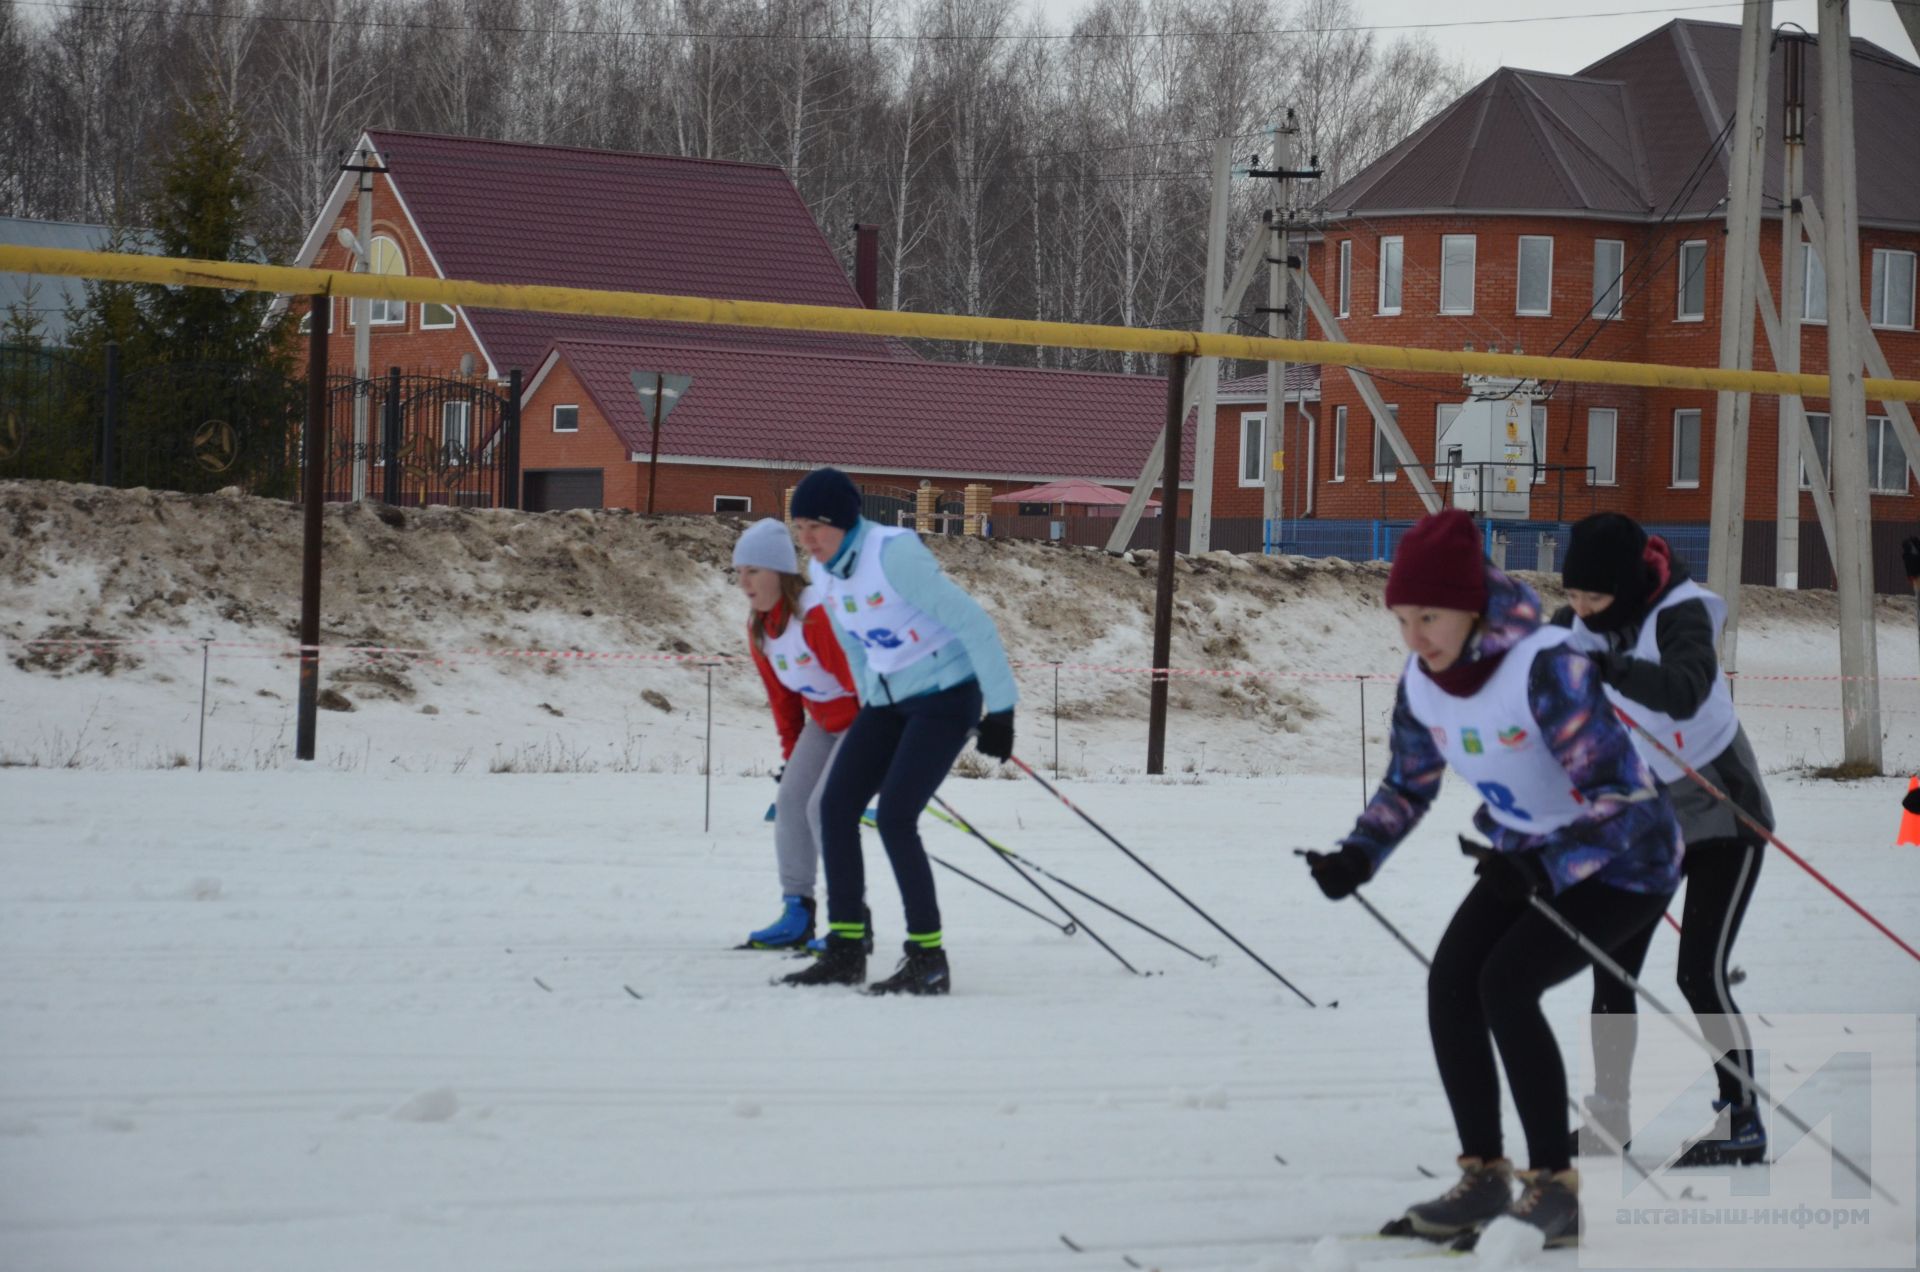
x: 199, y: 427
x: 50, y: 410
x: 422, y: 440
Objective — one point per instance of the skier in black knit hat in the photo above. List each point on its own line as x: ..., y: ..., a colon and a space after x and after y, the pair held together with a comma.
x: 1652, y: 633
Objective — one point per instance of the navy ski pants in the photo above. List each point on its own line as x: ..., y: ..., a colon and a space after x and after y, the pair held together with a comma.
x: 900, y: 751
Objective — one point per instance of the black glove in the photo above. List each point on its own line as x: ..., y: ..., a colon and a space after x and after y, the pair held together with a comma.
x: 1340, y: 873
x: 1514, y: 875
x: 780, y: 773
x: 995, y: 736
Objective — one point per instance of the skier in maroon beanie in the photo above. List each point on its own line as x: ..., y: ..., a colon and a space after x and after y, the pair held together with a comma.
x: 1572, y: 816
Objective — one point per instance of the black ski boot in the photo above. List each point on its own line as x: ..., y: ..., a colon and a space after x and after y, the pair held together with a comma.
x: 1550, y: 1201
x: 1609, y: 1115
x: 1485, y: 1192
x: 922, y: 971
x: 1744, y: 1142
x: 841, y: 962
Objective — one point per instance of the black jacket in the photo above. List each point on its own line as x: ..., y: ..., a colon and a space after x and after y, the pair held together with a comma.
x: 1676, y: 686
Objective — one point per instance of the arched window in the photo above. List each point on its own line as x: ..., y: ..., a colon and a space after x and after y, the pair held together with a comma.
x: 387, y: 259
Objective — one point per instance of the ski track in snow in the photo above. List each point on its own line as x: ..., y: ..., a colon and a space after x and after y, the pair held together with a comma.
x: 290, y: 1020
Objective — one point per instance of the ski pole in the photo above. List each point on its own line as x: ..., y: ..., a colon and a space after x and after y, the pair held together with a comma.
x: 1054, y: 791
x: 1759, y: 829
x: 1600, y: 958
x: 1605, y: 1135
x: 1077, y: 920
x: 1066, y: 929
x: 953, y: 818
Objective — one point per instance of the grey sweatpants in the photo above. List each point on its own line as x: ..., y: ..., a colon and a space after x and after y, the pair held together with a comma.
x: 796, y: 825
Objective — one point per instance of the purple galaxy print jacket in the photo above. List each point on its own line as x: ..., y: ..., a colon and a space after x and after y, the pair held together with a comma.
x: 1629, y: 838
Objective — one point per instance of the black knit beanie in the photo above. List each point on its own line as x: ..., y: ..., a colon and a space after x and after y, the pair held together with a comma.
x: 1607, y: 554
x: 828, y: 496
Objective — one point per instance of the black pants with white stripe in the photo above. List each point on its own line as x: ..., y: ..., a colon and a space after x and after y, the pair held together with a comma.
x: 1720, y: 877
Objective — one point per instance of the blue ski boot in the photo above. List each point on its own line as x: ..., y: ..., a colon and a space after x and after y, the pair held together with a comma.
x: 1744, y: 1144
x: 793, y: 928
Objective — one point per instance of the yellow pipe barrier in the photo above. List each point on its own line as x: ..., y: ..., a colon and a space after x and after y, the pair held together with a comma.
x: 238, y: 276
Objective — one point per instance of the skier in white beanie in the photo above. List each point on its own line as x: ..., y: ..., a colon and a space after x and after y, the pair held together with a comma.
x: 810, y: 689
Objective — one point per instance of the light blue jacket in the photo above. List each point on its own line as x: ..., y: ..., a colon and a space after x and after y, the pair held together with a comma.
x: 916, y: 578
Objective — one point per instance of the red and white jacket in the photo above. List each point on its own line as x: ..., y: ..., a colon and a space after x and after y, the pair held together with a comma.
x: 805, y: 671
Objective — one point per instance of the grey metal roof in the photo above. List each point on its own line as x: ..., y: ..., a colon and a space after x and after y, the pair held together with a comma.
x: 49, y: 297
x: 1623, y: 138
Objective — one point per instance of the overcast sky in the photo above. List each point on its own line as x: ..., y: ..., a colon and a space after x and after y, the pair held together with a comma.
x: 1562, y: 43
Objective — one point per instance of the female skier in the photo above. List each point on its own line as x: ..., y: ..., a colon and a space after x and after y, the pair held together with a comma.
x: 810, y: 690
x: 1651, y: 632
x: 1573, y: 817
x: 926, y: 658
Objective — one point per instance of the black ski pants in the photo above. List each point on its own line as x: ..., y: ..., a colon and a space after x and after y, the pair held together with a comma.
x: 900, y: 751
x: 1720, y: 877
x: 1498, y: 957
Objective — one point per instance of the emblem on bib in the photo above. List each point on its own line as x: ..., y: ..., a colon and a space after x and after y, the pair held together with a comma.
x: 1470, y: 742
x: 876, y: 600
x: 1513, y: 739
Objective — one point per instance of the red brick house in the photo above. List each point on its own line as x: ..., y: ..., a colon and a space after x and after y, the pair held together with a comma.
x: 764, y: 405
x: 1580, y: 215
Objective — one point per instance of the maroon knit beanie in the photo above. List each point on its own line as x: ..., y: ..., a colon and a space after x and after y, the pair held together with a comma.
x: 1439, y: 564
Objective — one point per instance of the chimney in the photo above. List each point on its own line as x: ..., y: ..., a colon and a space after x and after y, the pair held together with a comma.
x: 866, y: 263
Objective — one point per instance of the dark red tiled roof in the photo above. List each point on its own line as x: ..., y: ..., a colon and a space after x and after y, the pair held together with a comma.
x: 510, y: 212
x: 1624, y: 137
x: 881, y: 414
x: 1253, y: 388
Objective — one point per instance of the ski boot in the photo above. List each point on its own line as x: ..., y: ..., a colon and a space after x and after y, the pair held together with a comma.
x: 793, y: 928
x: 1485, y: 1192
x: 1743, y: 1144
x: 842, y: 962
x: 818, y: 944
x: 1610, y: 1116
x: 923, y: 971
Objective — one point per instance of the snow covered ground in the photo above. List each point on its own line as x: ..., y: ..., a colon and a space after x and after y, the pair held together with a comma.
x: 323, y: 1020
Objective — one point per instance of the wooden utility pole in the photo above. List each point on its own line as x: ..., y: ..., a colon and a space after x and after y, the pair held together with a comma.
x: 1163, y: 566
x: 313, y: 486
x: 1213, y: 319
x: 1847, y: 404
x: 1738, y: 293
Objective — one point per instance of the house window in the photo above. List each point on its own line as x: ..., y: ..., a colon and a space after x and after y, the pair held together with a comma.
x: 1609, y: 265
x: 1534, y: 294
x: 454, y: 437
x: 1886, y: 464
x: 386, y: 259
x: 1346, y: 277
x: 1686, y: 449
x: 1892, y: 300
x: 1443, y: 417
x: 1392, y: 250
x: 1693, y: 281
x: 566, y: 419
x: 1818, y: 424
x: 1813, y: 276
x: 1339, y: 453
x: 435, y: 317
x: 1603, y: 432
x: 1539, y: 444
x: 732, y: 503
x: 1456, y: 273
x: 1386, y: 463
x: 1253, y: 449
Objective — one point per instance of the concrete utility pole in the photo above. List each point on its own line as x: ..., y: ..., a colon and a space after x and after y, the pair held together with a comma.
x: 1727, y: 532
x: 1847, y: 404
x: 1273, y: 502
x: 1786, y: 345
x: 1212, y: 320
x: 1909, y: 11
x: 360, y: 312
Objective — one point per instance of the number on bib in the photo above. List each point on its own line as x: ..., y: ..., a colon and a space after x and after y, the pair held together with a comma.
x: 1501, y: 798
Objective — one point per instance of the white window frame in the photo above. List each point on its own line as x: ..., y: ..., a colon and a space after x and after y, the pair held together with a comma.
x: 428, y: 324
x: 1444, y: 414
x: 1612, y: 467
x: 1883, y: 258
x: 1520, y: 276
x: 1382, y: 447
x: 1809, y: 262
x: 1473, y: 267
x: 1399, y: 246
x: 1616, y: 288
x: 1698, y: 449
x: 745, y: 499
x: 456, y: 411
x: 1339, y: 453
x: 1680, y: 279
x: 1537, y: 423
x: 1823, y: 435
x: 1253, y: 423
x: 566, y: 406
x: 1345, y: 280
x: 386, y: 313
x: 1886, y: 442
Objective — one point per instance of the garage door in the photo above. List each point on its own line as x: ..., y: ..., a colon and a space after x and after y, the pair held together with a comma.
x: 558, y: 489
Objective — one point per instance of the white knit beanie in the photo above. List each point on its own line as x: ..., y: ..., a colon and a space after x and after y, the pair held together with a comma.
x: 767, y: 545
